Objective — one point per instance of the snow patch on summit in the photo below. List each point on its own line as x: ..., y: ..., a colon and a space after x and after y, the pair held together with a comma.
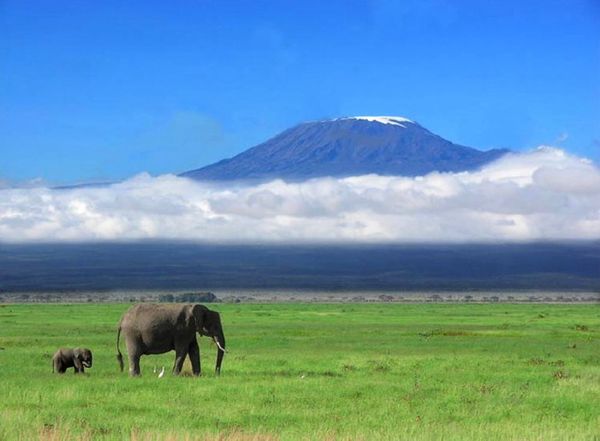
x: 392, y: 120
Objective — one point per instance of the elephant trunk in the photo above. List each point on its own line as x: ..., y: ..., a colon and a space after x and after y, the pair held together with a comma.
x: 220, y: 341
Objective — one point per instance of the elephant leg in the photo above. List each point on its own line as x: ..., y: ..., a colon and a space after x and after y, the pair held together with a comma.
x: 194, y: 352
x: 180, y: 353
x: 134, y: 364
x: 59, y: 367
x: 134, y: 354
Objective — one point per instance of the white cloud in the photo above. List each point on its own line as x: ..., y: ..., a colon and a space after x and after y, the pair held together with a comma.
x: 544, y: 194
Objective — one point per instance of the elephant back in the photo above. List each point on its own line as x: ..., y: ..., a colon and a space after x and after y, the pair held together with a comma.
x: 147, y: 315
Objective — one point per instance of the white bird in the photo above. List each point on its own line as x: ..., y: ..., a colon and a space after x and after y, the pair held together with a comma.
x: 162, y: 372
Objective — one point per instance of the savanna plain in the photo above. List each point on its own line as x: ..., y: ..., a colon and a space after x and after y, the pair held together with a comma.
x: 301, y: 371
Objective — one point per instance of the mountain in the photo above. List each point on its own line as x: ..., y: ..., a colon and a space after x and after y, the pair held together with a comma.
x: 384, y: 145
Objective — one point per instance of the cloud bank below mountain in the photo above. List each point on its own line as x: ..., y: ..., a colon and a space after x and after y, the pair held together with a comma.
x: 545, y: 194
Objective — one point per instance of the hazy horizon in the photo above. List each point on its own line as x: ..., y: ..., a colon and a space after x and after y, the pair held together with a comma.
x: 170, y: 266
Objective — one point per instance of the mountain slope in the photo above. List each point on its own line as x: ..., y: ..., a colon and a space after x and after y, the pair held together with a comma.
x: 348, y: 147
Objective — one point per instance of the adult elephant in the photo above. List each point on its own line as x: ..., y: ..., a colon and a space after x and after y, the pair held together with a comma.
x: 157, y: 328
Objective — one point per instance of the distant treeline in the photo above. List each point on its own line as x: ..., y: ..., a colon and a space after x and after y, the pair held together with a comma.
x: 399, y: 297
x: 189, y: 297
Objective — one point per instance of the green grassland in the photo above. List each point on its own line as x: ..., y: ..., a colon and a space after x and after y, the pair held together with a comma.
x: 315, y: 371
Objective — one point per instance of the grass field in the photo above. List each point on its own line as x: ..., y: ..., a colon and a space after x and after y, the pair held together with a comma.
x: 315, y: 371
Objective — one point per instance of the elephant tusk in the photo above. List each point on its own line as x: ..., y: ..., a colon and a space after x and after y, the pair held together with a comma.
x: 162, y: 372
x: 219, y: 345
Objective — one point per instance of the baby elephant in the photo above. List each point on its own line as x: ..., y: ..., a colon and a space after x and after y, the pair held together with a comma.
x: 77, y: 358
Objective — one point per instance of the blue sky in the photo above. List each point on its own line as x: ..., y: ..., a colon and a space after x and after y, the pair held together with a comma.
x: 104, y: 90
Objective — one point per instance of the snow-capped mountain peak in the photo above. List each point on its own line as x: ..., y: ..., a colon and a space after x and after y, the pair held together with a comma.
x: 393, y: 120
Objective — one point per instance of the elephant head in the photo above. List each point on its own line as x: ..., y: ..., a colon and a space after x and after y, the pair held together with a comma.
x: 84, y: 356
x: 209, y: 323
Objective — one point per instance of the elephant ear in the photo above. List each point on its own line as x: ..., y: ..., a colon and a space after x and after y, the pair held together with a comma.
x: 213, y: 319
x: 77, y: 353
x: 198, y: 317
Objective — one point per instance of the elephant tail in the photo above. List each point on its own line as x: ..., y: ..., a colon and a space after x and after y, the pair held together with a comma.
x: 119, y: 355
